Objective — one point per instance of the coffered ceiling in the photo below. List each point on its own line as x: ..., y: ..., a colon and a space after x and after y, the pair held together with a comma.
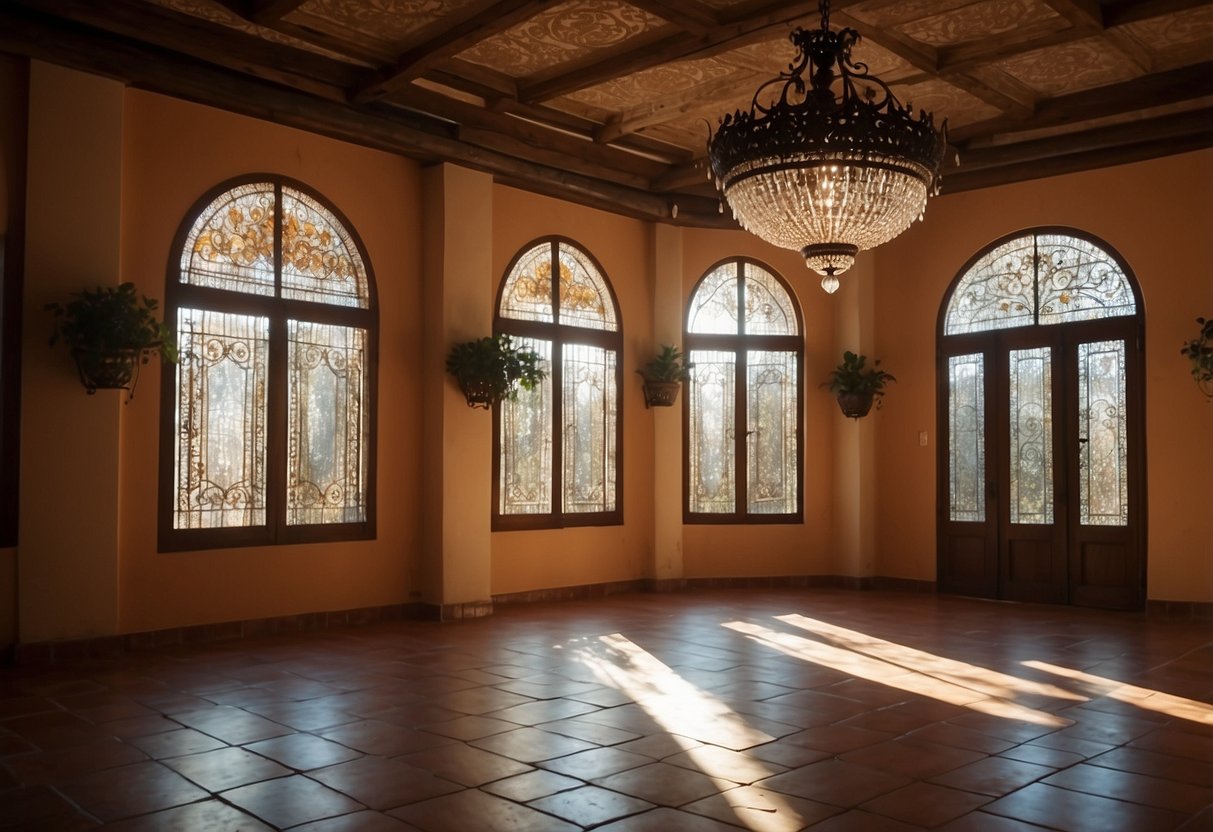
x: 610, y: 103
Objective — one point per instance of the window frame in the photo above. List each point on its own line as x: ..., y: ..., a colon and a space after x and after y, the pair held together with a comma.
x: 740, y: 343
x: 559, y: 335
x: 278, y: 310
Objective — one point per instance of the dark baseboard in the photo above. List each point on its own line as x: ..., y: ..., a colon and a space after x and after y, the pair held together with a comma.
x: 57, y: 652
x: 1202, y: 610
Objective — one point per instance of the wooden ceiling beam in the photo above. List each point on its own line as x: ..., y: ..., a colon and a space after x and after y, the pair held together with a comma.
x: 1149, y: 91
x: 704, y: 98
x: 269, y: 11
x: 631, y: 169
x: 1133, y: 11
x: 1060, y: 157
x: 1016, y: 42
x: 471, y: 27
x: 37, y: 36
x: 922, y: 57
x: 211, y: 42
x: 1087, y: 14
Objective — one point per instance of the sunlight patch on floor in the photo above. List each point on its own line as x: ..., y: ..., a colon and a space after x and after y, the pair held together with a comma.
x: 1144, y: 698
x: 989, y: 682
x: 684, y: 711
x: 953, y: 688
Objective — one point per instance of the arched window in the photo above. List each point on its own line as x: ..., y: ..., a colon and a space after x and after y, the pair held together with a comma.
x: 1041, y: 420
x: 556, y: 448
x: 268, y: 421
x: 743, y: 410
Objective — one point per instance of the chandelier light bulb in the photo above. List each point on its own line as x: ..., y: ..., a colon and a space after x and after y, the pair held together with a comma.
x: 825, y: 173
x: 830, y: 284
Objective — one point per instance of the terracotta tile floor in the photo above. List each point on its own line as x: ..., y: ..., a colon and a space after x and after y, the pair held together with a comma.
x: 765, y: 710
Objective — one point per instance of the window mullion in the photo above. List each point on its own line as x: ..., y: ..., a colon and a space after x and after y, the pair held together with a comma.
x: 741, y: 431
x: 276, y: 393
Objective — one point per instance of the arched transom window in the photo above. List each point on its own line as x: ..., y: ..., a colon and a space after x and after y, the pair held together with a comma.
x: 744, y: 410
x: 268, y: 420
x: 556, y: 448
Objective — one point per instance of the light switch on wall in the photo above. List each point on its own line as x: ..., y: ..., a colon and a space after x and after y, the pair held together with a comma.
x: 922, y: 438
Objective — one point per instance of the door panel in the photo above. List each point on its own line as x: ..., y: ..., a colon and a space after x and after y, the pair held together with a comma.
x: 1042, y: 468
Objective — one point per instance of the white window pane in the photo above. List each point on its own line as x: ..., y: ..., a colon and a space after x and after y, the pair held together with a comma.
x: 1103, y: 458
x: 527, y: 294
x: 1080, y: 281
x: 320, y: 262
x: 997, y: 292
x: 585, y: 299
x: 768, y: 308
x: 1031, y: 436
x: 220, y: 420
x: 966, y: 438
x: 714, y: 306
x: 231, y: 245
x: 588, y: 453
x: 771, y: 447
x: 327, y: 433
x: 526, y: 442
x: 712, y: 432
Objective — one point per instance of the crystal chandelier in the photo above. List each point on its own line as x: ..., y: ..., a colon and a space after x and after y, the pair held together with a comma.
x: 824, y: 174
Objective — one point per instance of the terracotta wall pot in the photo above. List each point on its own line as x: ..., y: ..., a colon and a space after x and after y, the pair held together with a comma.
x: 855, y: 405
x: 661, y: 393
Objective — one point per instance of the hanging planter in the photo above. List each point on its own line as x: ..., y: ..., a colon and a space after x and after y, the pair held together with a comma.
x: 111, y: 331
x: 856, y: 385
x: 490, y: 369
x: 1200, y: 352
x: 663, y: 377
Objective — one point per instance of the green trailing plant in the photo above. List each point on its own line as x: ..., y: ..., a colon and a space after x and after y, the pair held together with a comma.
x: 1199, y: 351
x: 111, y: 330
x: 490, y: 369
x: 857, y: 385
x: 668, y: 365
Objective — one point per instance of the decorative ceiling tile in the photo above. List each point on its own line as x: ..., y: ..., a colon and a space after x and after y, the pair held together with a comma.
x: 981, y: 20
x: 658, y: 82
x: 561, y: 34
x: 884, y: 13
x: 1176, y: 39
x: 391, y: 23
x: 945, y: 101
x: 772, y: 57
x: 1072, y: 67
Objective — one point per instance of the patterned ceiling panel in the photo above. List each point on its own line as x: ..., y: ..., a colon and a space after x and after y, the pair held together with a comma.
x: 659, y: 82
x: 1072, y: 67
x: 392, y: 23
x: 981, y: 20
x: 945, y: 101
x: 561, y: 34
x: 774, y: 56
x: 884, y: 13
x: 1177, y: 39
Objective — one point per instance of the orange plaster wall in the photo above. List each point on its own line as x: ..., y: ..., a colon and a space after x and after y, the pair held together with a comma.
x: 526, y: 560
x: 1159, y: 215
x: 175, y: 151
x: 744, y: 551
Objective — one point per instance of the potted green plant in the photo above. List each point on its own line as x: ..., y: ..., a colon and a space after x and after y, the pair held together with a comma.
x: 1200, y: 352
x: 857, y: 385
x: 490, y: 369
x: 663, y: 376
x: 111, y: 331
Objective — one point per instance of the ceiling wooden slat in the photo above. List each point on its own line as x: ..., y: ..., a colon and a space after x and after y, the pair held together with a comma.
x: 608, y: 114
x: 463, y: 32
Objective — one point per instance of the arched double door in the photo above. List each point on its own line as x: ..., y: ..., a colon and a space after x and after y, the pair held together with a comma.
x: 1042, y: 463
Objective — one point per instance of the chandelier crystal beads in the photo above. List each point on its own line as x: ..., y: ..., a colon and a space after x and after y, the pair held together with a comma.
x: 823, y: 173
